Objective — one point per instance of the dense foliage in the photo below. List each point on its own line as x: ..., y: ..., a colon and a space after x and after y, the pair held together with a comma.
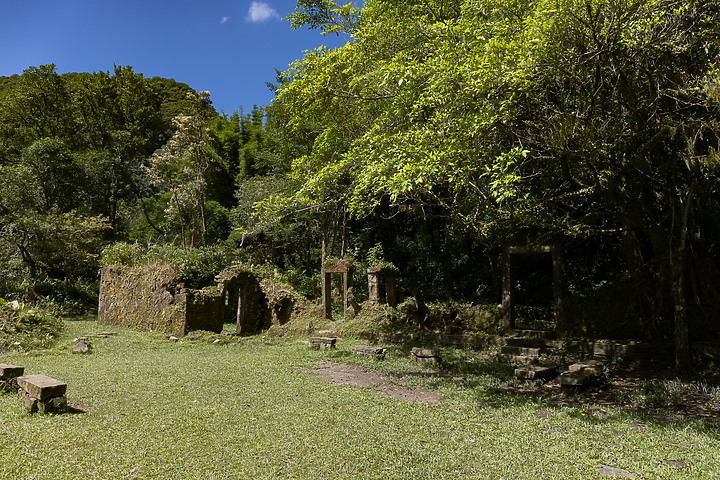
x: 529, y: 121
x: 440, y: 133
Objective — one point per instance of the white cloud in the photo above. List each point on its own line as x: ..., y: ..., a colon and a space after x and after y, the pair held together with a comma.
x: 261, y: 12
x: 225, y: 20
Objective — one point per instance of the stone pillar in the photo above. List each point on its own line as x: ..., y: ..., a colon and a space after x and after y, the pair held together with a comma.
x: 508, y: 321
x: 327, y: 296
x: 241, y: 318
x: 347, y: 285
x: 558, y: 263
x: 373, y: 287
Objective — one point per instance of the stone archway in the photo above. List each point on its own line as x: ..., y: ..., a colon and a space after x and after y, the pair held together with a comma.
x: 346, y: 268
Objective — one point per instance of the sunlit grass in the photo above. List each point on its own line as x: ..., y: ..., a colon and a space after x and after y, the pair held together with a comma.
x: 249, y: 408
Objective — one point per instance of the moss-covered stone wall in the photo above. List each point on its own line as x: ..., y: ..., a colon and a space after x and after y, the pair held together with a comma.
x: 149, y: 298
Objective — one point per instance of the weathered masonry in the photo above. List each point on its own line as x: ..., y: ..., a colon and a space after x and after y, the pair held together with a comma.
x: 150, y: 298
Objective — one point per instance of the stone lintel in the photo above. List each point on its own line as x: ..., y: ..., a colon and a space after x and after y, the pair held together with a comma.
x: 380, y: 270
x: 42, y: 387
x: 10, y: 371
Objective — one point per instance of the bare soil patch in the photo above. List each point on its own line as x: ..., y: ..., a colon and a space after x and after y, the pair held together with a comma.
x: 378, y: 383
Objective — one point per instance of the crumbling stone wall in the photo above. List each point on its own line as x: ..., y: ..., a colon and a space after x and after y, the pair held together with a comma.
x: 149, y: 298
x: 257, y: 301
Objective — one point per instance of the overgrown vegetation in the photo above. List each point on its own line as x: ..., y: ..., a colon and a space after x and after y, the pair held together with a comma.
x: 25, y: 328
x: 441, y: 133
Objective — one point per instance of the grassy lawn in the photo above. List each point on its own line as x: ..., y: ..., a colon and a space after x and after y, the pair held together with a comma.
x: 250, y: 408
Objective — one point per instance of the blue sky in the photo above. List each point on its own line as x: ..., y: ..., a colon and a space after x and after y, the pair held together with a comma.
x: 228, y: 47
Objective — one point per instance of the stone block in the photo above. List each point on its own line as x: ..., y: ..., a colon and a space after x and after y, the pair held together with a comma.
x: 424, y: 352
x: 535, y: 372
x: 82, y: 346
x: 41, y: 387
x: 590, y: 367
x: 322, y: 343
x: 8, y: 372
x: 53, y: 405
x: 377, y: 352
x: 425, y: 355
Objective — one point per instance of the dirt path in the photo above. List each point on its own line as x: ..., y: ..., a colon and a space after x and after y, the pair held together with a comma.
x: 379, y: 383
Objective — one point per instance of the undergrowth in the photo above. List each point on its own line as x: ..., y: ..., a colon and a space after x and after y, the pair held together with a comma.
x: 27, y: 327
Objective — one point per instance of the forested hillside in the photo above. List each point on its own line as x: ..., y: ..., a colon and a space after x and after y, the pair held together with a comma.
x: 442, y: 133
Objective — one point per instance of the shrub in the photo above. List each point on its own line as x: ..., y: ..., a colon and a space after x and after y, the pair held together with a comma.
x: 25, y: 327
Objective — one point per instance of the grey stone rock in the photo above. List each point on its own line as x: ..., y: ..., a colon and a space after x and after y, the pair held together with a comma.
x: 82, y: 346
x: 424, y: 352
x: 29, y: 403
x: 10, y: 371
x: 607, y: 471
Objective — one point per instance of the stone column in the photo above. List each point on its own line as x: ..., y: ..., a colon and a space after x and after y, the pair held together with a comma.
x: 327, y: 296
x: 373, y: 287
x: 508, y: 313
x: 241, y: 318
x: 558, y: 263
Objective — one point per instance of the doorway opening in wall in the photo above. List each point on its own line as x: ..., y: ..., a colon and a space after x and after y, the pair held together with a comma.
x: 532, y: 291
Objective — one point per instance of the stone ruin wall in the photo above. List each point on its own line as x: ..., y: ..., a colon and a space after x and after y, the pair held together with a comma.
x: 149, y: 298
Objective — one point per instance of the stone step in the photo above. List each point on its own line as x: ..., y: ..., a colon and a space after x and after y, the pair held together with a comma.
x: 546, y: 334
x: 531, y: 342
x: 520, y: 351
x: 515, y: 359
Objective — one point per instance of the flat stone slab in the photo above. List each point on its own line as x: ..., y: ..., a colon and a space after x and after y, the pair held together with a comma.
x: 535, y: 372
x: 589, y: 367
x: 608, y: 471
x: 520, y: 351
x: 369, y: 351
x: 41, y: 387
x: 10, y: 371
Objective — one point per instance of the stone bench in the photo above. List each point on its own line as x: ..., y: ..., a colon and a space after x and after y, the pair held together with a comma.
x: 425, y: 355
x: 322, y: 343
x: 40, y: 393
x: 8, y: 375
x: 377, y: 352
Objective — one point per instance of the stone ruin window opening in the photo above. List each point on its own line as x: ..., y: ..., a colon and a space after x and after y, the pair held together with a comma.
x: 532, y: 295
x: 345, y: 268
x: 235, y: 299
x: 243, y: 303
